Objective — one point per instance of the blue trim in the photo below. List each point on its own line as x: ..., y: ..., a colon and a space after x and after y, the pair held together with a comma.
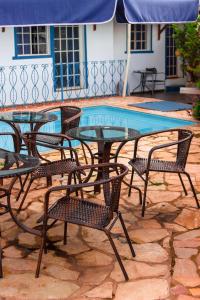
x: 31, y: 57
x: 53, y: 55
x: 86, y: 57
x: 16, y: 56
x: 141, y: 51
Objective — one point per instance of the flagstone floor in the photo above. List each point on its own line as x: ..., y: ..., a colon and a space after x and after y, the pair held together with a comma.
x: 166, y: 241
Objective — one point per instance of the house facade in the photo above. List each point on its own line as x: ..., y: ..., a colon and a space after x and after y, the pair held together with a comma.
x: 46, y: 63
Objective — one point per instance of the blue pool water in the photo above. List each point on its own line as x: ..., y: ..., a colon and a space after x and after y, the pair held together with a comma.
x: 112, y: 116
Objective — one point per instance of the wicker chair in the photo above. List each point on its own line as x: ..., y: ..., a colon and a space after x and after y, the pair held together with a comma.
x: 48, y: 168
x: 6, y: 192
x: 143, y: 166
x: 70, y: 118
x: 70, y: 209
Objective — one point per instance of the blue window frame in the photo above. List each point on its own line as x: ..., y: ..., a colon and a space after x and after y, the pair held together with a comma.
x: 171, y: 59
x: 141, y: 38
x: 31, y: 42
x: 69, y: 57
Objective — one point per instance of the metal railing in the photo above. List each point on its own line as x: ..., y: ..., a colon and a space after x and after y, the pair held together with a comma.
x: 37, y: 83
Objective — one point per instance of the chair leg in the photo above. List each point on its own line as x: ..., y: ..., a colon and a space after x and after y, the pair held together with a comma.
x: 193, y: 189
x: 182, y: 183
x: 25, y: 194
x: 126, y: 235
x: 117, y: 255
x: 42, y: 249
x: 49, y: 181
x: 131, y: 182
x: 22, y: 188
x: 144, y: 195
x: 65, y: 233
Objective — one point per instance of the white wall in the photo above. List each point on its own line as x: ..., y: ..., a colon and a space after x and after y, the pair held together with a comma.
x: 140, y: 61
x: 107, y: 42
x: 100, y: 42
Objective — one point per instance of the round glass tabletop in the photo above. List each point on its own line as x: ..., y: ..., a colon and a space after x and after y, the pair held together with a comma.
x: 14, y: 164
x: 27, y: 117
x: 103, y: 133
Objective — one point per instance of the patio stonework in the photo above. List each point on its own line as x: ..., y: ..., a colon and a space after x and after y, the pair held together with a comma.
x: 166, y: 240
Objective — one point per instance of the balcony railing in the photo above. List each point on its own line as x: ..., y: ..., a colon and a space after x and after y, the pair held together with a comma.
x: 37, y: 83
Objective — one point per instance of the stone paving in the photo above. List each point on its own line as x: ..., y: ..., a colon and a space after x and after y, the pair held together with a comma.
x: 166, y: 241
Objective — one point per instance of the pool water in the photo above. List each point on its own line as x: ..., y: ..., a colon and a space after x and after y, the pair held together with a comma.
x: 111, y: 116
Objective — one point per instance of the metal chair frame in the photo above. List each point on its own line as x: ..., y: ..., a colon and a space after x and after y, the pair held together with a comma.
x: 104, y: 219
x: 7, y: 191
x: 152, y: 78
x: 70, y: 118
x: 183, y: 145
x: 48, y: 168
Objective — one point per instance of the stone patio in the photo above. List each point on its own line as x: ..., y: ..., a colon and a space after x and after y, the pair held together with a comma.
x: 166, y: 240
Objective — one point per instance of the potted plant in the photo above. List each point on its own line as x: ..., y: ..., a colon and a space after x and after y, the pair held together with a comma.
x: 187, y: 39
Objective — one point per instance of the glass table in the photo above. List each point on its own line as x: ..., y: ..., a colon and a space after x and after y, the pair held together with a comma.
x: 104, y: 136
x: 34, y: 119
x: 13, y: 165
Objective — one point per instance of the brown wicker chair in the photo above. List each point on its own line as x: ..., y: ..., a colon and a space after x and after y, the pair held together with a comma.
x: 6, y: 192
x: 143, y: 166
x: 48, y: 168
x: 70, y: 209
x: 70, y: 118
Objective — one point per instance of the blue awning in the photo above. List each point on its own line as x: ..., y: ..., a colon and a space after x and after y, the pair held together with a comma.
x: 157, y: 11
x: 47, y: 12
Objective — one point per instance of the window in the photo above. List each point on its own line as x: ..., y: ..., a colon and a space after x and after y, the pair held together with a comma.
x: 68, y: 42
x: 32, y: 41
x: 171, y: 60
x: 141, y: 37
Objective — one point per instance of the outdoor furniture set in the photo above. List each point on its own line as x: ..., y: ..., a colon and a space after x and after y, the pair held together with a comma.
x: 74, y: 206
x: 150, y: 78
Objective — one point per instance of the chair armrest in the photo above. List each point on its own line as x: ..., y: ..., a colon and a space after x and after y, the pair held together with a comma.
x: 149, y: 134
x: 156, y: 148
x: 69, y: 188
x: 35, y: 133
x: 29, y: 137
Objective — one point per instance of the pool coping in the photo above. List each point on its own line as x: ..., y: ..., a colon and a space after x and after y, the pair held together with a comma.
x: 115, y: 101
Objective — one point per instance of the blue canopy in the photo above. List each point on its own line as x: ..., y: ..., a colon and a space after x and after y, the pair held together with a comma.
x: 47, y: 12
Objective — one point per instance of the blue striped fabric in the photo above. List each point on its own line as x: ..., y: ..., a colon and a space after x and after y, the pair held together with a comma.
x: 46, y: 12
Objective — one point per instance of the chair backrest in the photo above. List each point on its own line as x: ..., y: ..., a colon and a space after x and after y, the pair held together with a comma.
x: 112, y: 176
x: 184, y: 138
x: 152, y: 70
x: 67, y: 113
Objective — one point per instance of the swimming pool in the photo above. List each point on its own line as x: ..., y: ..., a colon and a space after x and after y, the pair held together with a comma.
x: 111, y: 116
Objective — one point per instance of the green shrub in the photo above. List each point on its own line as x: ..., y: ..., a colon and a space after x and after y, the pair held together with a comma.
x: 196, y: 110
x: 187, y: 39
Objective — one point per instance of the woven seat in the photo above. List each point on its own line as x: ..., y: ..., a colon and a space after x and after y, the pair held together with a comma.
x: 88, y: 213
x: 140, y: 165
x: 47, y: 139
x: 81, y: 212
x: 54, y: 168
x: 143, y: 166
